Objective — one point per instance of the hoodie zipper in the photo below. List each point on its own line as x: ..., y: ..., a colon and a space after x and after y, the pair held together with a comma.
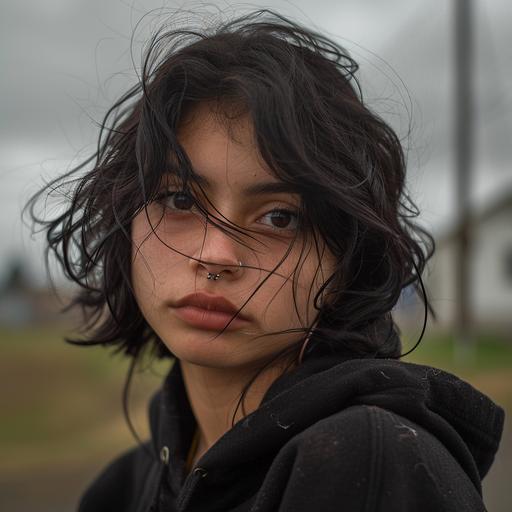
x: 198, y: 473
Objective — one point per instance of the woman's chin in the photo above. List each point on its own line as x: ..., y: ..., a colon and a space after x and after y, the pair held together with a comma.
x: 208, y: 352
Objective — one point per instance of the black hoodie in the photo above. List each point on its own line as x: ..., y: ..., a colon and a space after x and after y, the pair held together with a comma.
x: 335, y: 434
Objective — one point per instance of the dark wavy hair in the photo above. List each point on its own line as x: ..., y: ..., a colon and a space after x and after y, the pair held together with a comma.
x: 315, y: 132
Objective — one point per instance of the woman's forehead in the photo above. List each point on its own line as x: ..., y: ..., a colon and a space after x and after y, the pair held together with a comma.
x: 226, y: 155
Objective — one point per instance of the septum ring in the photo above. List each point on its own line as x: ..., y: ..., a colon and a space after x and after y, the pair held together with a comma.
x: 215, y: 277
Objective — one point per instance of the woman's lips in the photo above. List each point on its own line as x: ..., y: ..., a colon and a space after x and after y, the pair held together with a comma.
x: 209, y: 319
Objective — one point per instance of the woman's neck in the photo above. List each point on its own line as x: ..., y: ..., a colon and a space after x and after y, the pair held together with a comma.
x: 214, y: 394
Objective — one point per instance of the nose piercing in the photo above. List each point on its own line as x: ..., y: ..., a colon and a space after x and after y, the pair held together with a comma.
x: 215, y: 277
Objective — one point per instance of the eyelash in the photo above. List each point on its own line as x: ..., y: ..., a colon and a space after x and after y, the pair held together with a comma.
x: 171, y: 193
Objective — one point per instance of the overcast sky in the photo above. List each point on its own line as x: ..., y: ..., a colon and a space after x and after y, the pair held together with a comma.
x: 65, y: 61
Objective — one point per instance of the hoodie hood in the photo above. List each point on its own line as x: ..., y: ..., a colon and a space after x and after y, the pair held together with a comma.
x: 467, y: 422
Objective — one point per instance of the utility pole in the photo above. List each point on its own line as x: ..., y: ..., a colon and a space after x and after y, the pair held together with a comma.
x: 463, y: 162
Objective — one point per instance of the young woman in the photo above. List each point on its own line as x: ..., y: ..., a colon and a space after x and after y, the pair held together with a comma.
x: 246, y: 215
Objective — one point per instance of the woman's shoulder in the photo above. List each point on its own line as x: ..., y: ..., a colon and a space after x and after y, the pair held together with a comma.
x: 377, y: 438
x: 367, y: 430
x: 368, y: 454
x: 363, y: 420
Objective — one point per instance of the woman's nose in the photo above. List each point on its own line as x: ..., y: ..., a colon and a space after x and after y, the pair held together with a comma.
x: 217, y: 252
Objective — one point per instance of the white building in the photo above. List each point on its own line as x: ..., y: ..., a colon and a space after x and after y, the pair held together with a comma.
x: 490, y: 263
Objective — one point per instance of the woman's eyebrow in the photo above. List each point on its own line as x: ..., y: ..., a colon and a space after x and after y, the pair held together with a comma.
x: 257, y: 189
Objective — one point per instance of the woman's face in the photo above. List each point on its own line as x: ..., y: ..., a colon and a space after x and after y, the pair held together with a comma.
x: 162, y: 276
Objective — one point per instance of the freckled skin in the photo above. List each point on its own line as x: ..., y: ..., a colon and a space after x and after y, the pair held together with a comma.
x: 161, y: 276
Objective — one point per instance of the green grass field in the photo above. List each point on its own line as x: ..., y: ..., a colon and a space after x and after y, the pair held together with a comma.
x: 487, y: 353
x: 62, y: 403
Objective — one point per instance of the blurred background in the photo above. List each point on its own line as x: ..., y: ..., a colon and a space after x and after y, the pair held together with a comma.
x: 439, y: 72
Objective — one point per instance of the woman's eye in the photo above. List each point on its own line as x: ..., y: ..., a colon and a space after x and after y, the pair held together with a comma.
x: 176, y: 200
x: 283, y: 219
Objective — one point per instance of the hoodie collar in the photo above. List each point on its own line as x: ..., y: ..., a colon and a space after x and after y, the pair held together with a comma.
x: 467, y: 422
